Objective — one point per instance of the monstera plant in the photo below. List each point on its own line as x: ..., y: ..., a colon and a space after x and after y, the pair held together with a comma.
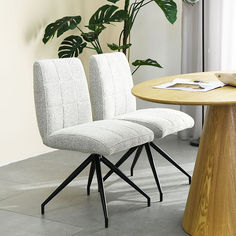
x: 106, y: 15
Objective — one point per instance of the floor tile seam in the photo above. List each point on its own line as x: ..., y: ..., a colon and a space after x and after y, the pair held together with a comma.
x: 39, y: 217
x: 24, y: 183
x: 10, y: 181
x: 13, y: 196
x: 76, y: 234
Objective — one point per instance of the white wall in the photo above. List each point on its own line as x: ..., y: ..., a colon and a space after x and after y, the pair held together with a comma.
x: 22, y: 25
x: 154, y: 37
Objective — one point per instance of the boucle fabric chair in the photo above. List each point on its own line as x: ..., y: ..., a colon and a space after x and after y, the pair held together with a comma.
x: 110, y: 88
x: 64, y: 117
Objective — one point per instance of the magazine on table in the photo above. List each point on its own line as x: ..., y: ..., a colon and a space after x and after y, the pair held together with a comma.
x: 190, y: 85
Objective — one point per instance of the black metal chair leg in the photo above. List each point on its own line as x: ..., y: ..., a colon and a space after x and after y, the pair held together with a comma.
x: 90, y: 178
x: 168, y: 158
x: 66, y: 182
x: 121, y: 161
x: 101, y: 188
x: 152, y: 164
x: 136, y: 157
x: 125, y: 178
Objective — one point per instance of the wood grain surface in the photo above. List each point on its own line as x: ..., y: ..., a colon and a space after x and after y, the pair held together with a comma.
x: 145, y: 91
x: 211, y: 204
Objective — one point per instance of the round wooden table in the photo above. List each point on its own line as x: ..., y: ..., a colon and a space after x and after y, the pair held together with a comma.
x: 211, y: 204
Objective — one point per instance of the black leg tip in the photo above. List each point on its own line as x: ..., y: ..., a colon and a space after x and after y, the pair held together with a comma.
x: 42, y: 209
x: 88, y: 192
x: 106, y: 222
x: 131, y: 173
x: 105, y: 178
x: 149, y: 202
x: 161, y: 197
x: 189, y: 180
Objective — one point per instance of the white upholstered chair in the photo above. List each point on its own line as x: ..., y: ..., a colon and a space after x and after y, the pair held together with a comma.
x: 64, y: 117
x: 110, y: 89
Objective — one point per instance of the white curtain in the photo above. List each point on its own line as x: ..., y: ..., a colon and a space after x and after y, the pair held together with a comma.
x: 220, y: 45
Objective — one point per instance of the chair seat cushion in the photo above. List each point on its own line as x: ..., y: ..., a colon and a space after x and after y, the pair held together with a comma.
x: 162, y: 121
x: 103, y: 137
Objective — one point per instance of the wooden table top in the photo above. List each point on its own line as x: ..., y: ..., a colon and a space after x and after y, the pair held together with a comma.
x: 219, y: 96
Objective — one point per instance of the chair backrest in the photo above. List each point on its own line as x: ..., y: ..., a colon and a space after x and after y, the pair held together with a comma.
x: 61, y: 94
x: 110, y: 86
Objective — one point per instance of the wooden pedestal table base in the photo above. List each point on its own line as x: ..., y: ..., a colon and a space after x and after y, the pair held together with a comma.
x: 211, y: 204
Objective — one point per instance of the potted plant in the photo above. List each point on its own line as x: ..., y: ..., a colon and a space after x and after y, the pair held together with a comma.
x: 104, y: 16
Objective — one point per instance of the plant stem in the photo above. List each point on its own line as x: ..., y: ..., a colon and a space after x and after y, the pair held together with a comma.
x: 99, y: 45
x: 136, y: 11
x: 147, y: 3
x: 132, y: 6
x: 80, y: 29
x: 128, y: 48
x: 121, y: 33
x: 126, y: 26
x: 136, y: 69
x: 95, y: 47
x: 138, y: 4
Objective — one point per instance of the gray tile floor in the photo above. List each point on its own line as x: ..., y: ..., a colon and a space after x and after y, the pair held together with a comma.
x: 25, y: 184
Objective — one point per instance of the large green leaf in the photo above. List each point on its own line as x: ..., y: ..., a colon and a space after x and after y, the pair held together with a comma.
x: 90, y: 36
x: 169, y: 8
x: 106, y: 15
x: 115, y: 47
x: 71, y: 46
x: 147, y: 62
x: 61, y: 26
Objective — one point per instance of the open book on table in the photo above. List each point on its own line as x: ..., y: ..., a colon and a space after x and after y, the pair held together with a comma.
x: 189, y: 85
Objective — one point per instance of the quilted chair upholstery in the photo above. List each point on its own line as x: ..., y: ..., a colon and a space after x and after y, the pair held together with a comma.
x: 64, y: 117
x: 110, y: 85
x: 110, y: 88
x: 64, y: 112
x: 61, y: 95
x: 162, y: 121
x: 102, y: 137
